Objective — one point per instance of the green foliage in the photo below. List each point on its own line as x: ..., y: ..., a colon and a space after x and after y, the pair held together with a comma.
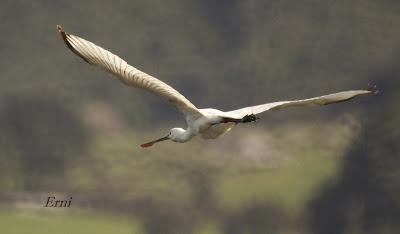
x: 264, y: 51
x: 17, y: 222
x: 202, y: 181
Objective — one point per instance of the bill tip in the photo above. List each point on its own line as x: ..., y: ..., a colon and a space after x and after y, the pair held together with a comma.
x: 145, y: 145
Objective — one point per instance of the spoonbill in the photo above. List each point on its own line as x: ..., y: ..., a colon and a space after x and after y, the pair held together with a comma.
x: 209, y: 123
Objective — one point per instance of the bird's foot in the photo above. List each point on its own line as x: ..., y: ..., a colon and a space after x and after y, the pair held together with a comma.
x: 249, y: 118
x: 373, y: 89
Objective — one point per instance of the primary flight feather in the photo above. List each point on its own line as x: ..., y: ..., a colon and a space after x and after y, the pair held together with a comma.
x: 210, y: 123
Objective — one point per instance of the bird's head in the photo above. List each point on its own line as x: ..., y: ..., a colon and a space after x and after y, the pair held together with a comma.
x: 175, y: 134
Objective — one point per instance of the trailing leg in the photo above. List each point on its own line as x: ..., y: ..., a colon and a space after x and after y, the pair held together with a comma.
x: 250, y: 118
x: 245, y: 119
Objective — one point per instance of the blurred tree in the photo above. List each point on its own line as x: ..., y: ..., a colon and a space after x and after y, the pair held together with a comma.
x: 42, y: 135
x: 366, y: 197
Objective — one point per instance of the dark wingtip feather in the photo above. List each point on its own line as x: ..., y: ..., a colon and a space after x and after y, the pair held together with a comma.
x: 64, y: 36
x: 373, y: 89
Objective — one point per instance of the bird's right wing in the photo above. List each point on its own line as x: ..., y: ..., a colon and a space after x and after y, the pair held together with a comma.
x: 321, y: 100
x: 95, y: 55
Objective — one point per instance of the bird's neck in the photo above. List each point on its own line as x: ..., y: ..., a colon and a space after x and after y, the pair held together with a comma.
x: 185, y: 135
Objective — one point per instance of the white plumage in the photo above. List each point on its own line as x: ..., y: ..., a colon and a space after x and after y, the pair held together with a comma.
x: 210, y: 123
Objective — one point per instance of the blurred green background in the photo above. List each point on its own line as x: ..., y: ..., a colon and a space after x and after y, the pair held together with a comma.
x: 69, y: 130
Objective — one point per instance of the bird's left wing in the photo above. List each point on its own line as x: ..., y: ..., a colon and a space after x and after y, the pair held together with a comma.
x: 321, y: 100
x: 95, y: 55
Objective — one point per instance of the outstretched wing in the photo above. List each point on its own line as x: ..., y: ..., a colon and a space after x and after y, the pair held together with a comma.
x: 321, y: 100
x: 95, y: 55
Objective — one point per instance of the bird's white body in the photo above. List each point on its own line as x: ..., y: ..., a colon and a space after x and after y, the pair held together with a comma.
x: 209, y: 123
x: 209, y: 126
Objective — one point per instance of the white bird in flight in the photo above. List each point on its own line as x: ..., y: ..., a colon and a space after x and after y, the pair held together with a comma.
x: 210, y: 123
